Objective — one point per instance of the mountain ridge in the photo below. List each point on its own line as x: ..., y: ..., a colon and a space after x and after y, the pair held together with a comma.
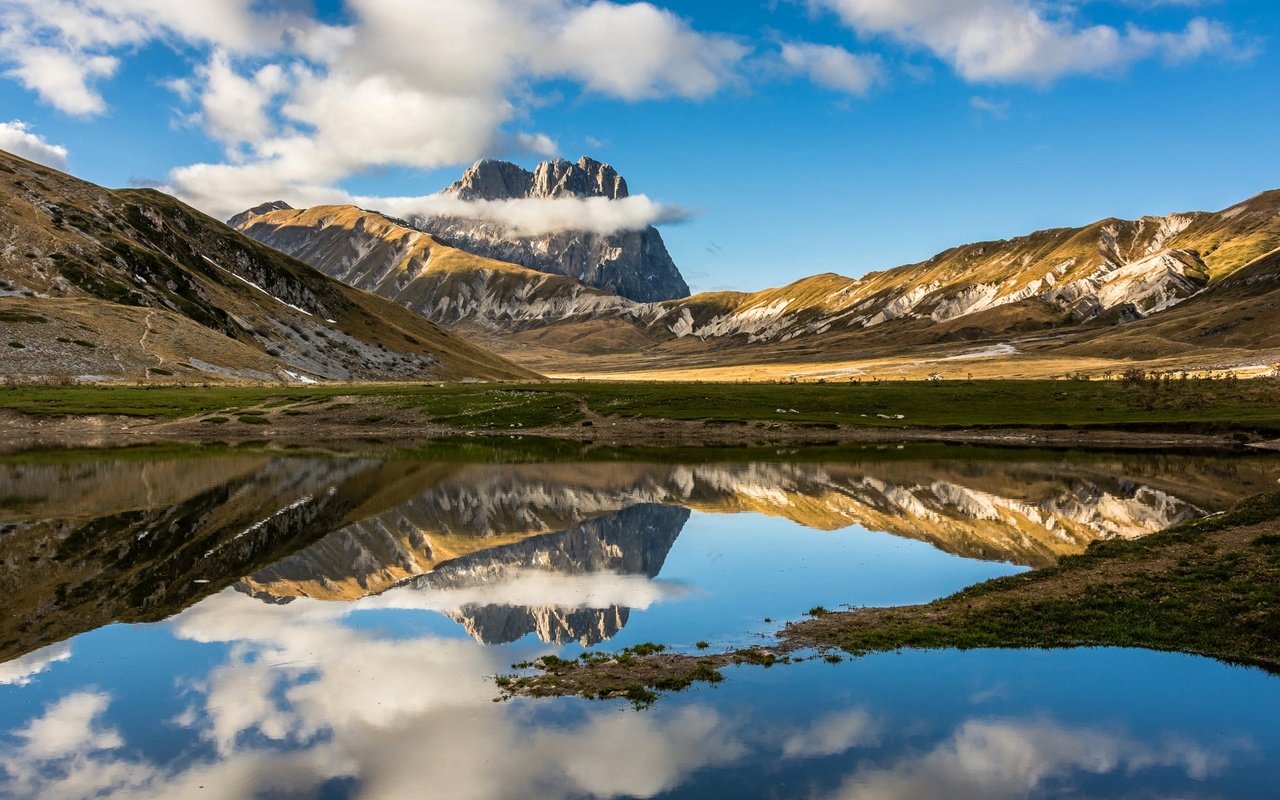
x: 1096, y: 276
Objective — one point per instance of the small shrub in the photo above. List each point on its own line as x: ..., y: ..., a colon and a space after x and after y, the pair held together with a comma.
x: 640, y: 697
x: 646, y: 649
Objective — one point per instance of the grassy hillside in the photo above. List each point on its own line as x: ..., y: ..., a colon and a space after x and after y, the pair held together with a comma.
x: 150, y: 266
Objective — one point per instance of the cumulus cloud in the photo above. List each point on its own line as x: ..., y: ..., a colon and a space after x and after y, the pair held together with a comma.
x: 17, y: 138
x: 436, y: 87
x: 1023, y: 40
x: 62, y: 49
x: 234, y: 108
x: 301, y: 105
x: 68, y: 726
x: 657, y: 54
x: 832, y: 67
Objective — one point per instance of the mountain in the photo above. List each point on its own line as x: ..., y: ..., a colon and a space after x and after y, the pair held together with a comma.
x: 87, y: 543
x: 445, y: 284
x: 1071, y: 281
x: 132, y: 284
x: 1114, y: 270
x: 630, y: 264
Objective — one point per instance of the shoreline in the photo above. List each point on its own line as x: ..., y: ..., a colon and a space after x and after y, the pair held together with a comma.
x: 21, y: 432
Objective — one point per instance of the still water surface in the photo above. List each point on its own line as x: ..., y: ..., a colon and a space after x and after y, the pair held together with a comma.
x: 260, y: 626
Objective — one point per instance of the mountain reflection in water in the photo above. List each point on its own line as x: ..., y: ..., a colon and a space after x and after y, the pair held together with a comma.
x: 85, y: 544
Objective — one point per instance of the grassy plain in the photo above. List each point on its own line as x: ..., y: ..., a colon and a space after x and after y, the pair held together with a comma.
x: 1246, y: 405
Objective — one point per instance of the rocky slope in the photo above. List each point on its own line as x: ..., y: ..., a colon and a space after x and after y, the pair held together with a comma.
x: 446, y: 285
x: 1111, y: 272
x: 102, y: 285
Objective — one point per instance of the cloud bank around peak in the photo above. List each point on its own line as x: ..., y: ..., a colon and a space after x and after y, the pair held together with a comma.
x: 538, y: 217
x: 224, y: 191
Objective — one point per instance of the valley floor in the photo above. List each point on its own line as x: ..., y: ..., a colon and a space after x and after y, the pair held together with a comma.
x: 1139, y: 412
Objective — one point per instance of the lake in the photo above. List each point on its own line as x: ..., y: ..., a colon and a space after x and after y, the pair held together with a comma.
x: 245, y: 623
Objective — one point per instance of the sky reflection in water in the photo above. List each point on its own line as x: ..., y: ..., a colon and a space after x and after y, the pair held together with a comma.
x: 388, y: 696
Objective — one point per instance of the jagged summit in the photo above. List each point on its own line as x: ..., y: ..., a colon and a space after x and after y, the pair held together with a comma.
x: 490, y: 179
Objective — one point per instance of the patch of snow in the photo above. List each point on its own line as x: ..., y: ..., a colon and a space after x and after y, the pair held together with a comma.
x: 256, y: 286
x: 1002, y: 349
x: 300, y: 378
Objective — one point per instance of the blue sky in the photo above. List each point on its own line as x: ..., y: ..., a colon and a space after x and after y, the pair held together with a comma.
x: 799, y: 137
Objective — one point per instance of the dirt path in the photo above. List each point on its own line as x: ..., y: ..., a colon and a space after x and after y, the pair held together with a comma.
x: 142, y: 342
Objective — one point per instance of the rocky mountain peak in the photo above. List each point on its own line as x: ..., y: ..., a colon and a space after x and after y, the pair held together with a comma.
x: 243, y: 217
x: 502, y: 180
x: 587, y: 178
x: 492, y: 180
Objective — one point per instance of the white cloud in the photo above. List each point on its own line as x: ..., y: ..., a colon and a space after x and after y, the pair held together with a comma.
x: 539, y: 216
x: 535, y: 589
x: 233, y: 107
x: 62, y: 79
x: 638, y: 51
x: 69, y: 726
x: 17, y: 138
x: 833, y: 67
x: 1022, y: 40
x: 223, y: 190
